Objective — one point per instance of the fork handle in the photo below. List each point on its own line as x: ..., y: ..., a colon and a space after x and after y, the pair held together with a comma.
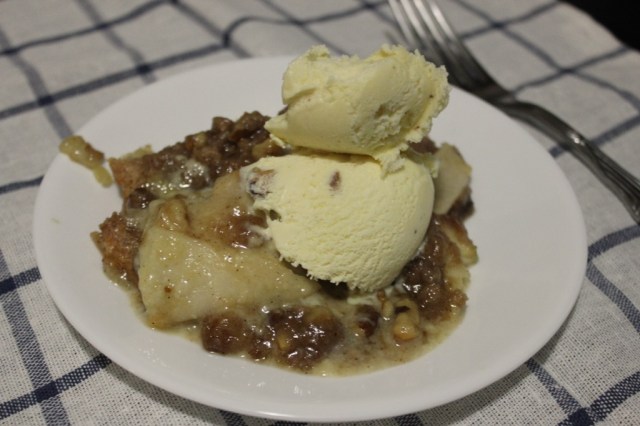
x: 622, y: 183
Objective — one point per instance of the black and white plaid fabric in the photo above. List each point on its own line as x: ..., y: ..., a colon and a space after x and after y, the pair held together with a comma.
x: 63, y: 61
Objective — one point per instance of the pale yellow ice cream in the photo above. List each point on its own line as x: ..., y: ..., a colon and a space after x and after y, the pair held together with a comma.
x: 351, y: 204
x: 373, y: 106
x: 340, y: 217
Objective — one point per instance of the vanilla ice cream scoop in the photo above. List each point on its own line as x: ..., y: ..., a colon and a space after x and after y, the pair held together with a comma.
x: 340, y: 217
x: 373, y: 106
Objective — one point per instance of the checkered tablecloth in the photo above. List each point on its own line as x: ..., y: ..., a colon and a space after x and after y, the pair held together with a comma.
x: 63, y: 61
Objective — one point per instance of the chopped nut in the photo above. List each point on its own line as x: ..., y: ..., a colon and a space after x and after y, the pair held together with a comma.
x: 387, y: 309
x: 410, y: 307
x: 404, y: 329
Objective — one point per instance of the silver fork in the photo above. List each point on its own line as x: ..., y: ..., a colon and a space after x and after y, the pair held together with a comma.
x: 424, y: 27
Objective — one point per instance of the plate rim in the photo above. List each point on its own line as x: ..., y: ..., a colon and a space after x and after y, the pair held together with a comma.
x: 325, y: 415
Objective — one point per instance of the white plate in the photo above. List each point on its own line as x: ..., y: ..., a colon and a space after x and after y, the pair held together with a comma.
x: 527, y: 225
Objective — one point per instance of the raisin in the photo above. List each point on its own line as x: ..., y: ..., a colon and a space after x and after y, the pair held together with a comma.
x: 366, y: 320
x: 139, y: 199
x: 225, y: 333
x: 303, y: 336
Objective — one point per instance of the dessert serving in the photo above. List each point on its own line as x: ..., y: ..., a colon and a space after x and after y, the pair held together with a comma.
x: 328, y: 239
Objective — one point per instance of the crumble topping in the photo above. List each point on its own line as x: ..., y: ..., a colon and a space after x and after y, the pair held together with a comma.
x: 194, y: 255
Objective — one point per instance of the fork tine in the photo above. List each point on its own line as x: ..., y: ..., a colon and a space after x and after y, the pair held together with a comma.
x: 419, y: 30
x: 423, y: 24
x: 413, y: 31
x: 440, y: 24
x: 427, y: 27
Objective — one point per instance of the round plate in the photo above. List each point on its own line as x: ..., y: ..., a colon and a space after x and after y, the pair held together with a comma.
x: 528, y: 228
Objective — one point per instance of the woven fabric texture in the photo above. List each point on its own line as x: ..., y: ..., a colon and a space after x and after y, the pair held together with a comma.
x: 63, y: 61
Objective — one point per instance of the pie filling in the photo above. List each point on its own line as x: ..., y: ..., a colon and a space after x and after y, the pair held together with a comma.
x: 190, y: 248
